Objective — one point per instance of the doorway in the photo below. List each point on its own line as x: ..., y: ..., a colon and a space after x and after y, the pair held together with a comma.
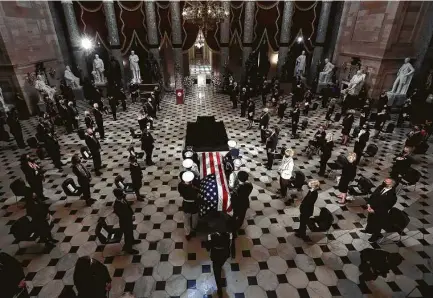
x: 200, y: 61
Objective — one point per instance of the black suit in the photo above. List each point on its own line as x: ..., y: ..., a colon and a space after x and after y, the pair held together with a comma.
x: 241, y: 202
x: 136, y: 176
x: 401, y: 164
x: 125, y: 214
x: 271, y: 147
x: 72, y: 117
x: 147, y: 141
x: 84, y: 178
x: 360, y: 145
x: 16, y: 130
x: 94, y: 147
x: 34, y: 177
x: 89, y: 122
x: 326, y: 154
x: 39, y: 212
x: 381, y: 204
x: 264, y: 122
x: 112, y: 101
x: 99, y: 119
x: 11, y: 274
x: 53, y: 149
x: 91, y: 278
x: 306, y: 209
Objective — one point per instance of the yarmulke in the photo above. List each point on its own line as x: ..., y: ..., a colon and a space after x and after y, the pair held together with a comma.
x: 187, y: 176
x: 187, y: 163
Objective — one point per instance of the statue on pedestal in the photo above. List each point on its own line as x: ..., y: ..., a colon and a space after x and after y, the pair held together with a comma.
x: 135, y: 68
x: 300, y: 65
x: 71, y: 80
x: 44, y: 88
x: 356, y: 84
x: 98, y: 70
x: 404, y: 77
x: 3, y: 105
x: 325, y: 76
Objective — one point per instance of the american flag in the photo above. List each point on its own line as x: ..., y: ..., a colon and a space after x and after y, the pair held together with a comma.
x: 214, y: 189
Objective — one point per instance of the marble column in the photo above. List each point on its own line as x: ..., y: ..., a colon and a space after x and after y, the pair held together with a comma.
x: 248, y: 33
x: 152, y: 33
x: 75, y: 37
x: 225, y: 38
x: 113, y: 35
x: 341, y: 22
x: 320, y: 38
x: 285, y: 35
x: 176, y: 27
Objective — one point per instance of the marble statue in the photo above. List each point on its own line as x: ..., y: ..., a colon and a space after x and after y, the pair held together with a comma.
x: 71, y: 80
x: 356, y: 83
x: 98, y: 68
x: 135, y: 68
x: 44, y: 88
x: 325, y: 76
x: 300, y: 65
x: 404, y: 77
x: 2, y: 102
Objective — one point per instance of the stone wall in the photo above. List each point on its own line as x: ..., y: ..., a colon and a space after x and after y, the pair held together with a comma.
x: 29, y: 37
x: 381, y: 34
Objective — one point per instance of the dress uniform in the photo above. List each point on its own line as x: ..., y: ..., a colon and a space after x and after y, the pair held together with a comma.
x: 188, y: 152
x: 84, y: 177
x: 228, y: 159
x: 379, y: 204
x: 190, y: 204
x: 91, y: 278
x: 219, y: 247
x: 126, y: 220
x: 189, y: 165
x: 307, y: 208
x: 99, y: 119
x: 136, y: 176
x: 271, y: 147
x: 94, y: 147
x: 240, y: 198
x: 34, y: 175
x: 264, y: 123
x: 147, y: 144
x: 233, y: 177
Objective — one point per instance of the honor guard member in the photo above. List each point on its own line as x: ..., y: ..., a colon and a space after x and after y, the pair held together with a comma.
x: 230, y: 157
x: 233, y: 178
x: 219, y: 247
x: 188, y: 152
x: 126, y: 220
x: 99, y: 119
x: 190, y: 166
x: 190, y: 194
x: 94, y: 147
x: 264, y: 123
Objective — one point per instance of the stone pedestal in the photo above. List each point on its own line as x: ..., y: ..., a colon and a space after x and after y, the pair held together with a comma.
x: 396, y: 100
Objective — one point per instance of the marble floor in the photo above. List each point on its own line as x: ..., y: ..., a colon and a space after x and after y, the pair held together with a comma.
x: 270, y: 260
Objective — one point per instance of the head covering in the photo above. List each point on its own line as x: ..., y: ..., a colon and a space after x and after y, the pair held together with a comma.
x: 118, y: 193
x: 243, y: 176
x: 265, y: 110
x: 187, y: 163
x: 234, y: 153
x: 232, y: 144
x: 189, y: 154
x: 286, y: 174
x: 237, y: 162
x: 188, y: 176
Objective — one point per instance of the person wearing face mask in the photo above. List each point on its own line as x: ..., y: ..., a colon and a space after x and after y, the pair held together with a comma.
x: 402, y: 163
x: 347, y: 126
x: 240, y: 198
x: 378, y: 206
x: 147, y: 144
x: 34, y: 175
x: 53, y: 149
x: 282, y: 106
x: 99, y: 119
x: 233, y: 177
x: 264, y: 123
x: 271, y: 147
x: 94, y: 147
x: 88, y: 120
x: 136, y: 176
x: 84, y: 177
x: 72, y: 115
x: 234, y: 95
x: 243, y: 98
x: 307, y: 208
x: 361, y: 142
x: 347, y: 175
x: 296, y: 112
x: 326, y: 152
x: 286, y: 170
x: 190, y: 204
x: 251, y: 111
x: 126, y: 220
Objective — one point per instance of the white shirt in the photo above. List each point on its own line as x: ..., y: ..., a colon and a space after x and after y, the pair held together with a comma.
x: 287, y: 164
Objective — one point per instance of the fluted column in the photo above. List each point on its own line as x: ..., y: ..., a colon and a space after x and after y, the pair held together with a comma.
x: 113, y: 35
x: 177, y: 43
x: 75, y: 37
x: 248, y: 33
x: 320, y: 38
x: 341, y: 21
x: 225, y: 38
x: 152, y: 33
x: 285, y: 36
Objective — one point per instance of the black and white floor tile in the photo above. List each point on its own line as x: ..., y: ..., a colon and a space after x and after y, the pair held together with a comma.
x: 270, y: 261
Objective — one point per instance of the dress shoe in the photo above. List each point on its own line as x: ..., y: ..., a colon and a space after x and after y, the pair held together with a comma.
x: 131, y: 251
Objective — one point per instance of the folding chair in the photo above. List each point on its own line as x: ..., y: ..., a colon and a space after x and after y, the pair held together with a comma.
x: 322, y: 223
x: 398, y: 221
x: 409, y: 178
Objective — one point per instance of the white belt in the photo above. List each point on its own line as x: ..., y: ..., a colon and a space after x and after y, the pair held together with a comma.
x: 189, y: 201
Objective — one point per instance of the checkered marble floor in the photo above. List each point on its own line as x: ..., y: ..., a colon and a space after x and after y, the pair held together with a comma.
x: 196, y: 69
x: 270, y: 261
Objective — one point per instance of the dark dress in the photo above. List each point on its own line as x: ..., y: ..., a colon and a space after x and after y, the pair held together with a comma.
x: 347, y: 175
x: 347, y: 125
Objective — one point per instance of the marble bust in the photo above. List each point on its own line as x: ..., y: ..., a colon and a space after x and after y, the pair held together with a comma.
x: 135, y: 68
x: 325, y: 76
x: 300, y: 65
x: 404, y: 77
x: 98, y: 68
x: 356, y: 83
x: 71, y: 80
